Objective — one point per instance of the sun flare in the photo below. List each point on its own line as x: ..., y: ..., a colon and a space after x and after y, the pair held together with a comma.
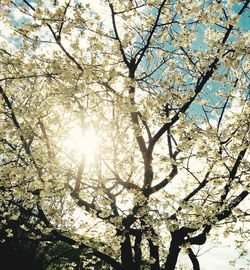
x: 81, y: 143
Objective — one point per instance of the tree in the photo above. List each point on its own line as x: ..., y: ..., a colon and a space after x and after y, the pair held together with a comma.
x: 162, y: 89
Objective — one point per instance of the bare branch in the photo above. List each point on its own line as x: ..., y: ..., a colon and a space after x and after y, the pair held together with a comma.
x: 164, y: 182
x: 194, y: 260
x: 117, y: 36
x: 127, y: 185
x: 142, y: 51
x: 14, y: 119
x: 79, y: 175
x: 58, y: 41
x: 46, y: 138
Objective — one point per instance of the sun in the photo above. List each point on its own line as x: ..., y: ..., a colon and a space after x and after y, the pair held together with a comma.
x: 81, y: 142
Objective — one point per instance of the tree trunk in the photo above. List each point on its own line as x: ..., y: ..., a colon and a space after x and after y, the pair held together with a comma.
x: 126, y: 255
x: 172, y: 257
x: 174, y: 249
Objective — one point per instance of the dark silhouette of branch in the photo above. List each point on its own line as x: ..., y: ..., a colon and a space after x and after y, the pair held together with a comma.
x: 15, y: 121
x: 194, y: 260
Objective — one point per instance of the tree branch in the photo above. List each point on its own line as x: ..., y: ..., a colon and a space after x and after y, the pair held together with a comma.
x: 201, y: 82
x: 79, y: 175
x: 142, y: 51
x: 58, y: 41
x: 232, y: 174
x: 194, y: 260
x: 163, y: 183
x: 14, y: 120
x: 117, y: 35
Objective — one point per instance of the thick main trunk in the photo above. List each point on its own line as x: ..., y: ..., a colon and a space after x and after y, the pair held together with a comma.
x: 126, y: 255
x: 173, y: 254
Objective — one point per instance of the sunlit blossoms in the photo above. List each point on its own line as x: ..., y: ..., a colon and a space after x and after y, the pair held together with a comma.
x: 124, y: 135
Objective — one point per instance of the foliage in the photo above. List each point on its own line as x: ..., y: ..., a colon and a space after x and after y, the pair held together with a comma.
x: 162, y: 87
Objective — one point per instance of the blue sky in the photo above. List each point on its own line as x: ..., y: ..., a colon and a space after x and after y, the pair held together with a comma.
x: 217, y: 258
